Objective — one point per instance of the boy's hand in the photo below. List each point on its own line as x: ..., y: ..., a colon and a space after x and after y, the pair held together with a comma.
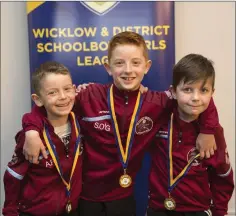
x: 33, y: 146
x: 82, y: 87
x: 143, y: 89
x: 206, y: 145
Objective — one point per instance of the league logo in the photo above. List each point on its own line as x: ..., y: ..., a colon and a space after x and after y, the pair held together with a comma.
x: 144, y: 125
x: 100, y: 8
x: 192, y: 153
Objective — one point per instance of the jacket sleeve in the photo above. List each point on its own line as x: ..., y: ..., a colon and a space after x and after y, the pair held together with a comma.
x: 34, y: 119
x: 162, y: 99
x: 13, y: 178
x: 92, y: 92
x: 221, y: 177
x: 209, y: 119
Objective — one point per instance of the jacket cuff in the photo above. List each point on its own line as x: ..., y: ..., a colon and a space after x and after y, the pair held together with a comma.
x: 216, y: 212
x: 31, y: 127
x: 207, y: 130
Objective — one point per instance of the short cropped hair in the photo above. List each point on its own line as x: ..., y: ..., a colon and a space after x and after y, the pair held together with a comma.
x: 45, y: 69
x: 124, y: 38
x: 192, y: 68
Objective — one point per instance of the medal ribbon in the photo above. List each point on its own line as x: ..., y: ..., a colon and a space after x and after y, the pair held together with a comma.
x: 174, y: 181
x: 124, y: 154
x: 54, y: 155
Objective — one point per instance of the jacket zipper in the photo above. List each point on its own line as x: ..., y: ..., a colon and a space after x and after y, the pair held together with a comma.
x: 124, y: 118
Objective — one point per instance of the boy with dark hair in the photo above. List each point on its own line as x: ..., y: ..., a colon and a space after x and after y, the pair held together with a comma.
x: 118, y: 123
x: 180, y: 183
x: 53, y: 186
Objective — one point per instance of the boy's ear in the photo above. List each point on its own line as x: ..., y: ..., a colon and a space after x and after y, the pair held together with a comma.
x: 213, y: 91
x: 149, y: 64
x: 108, y: 68
x: 173, y: 93
x: 37, y: 100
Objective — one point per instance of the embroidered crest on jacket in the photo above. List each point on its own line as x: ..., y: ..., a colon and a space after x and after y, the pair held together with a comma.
x: 144, y: 125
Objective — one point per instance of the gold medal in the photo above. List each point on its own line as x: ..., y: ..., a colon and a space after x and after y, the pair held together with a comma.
x: 125, y: 181
x: 68, y: 207
x: 53, y: 153
x: 169, y: 203
x: 124, y: 153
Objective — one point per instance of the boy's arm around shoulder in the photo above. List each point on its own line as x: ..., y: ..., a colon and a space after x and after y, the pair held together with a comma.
x: 209, y: 119
x: 32, y: 124
x: 95, y: 90
x: 208, y: 122
x: 163, y: 99
x: 34, y: 119
x: 92, y: 92
x: 13, y: 177
x: 221, y: 176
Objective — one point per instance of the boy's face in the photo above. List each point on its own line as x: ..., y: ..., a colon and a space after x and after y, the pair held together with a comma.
x: 127, y: 66
x: 193, y: 98
x: 57, y: 95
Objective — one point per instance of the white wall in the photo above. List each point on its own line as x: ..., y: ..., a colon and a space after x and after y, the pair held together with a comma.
x: 201, y: 27
x: 15, y: 78
x: 208, y: 28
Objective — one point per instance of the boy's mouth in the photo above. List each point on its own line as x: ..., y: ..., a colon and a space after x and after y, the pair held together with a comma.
x: 63, y: 105
x: 128, y: 78
x: 195, y: 106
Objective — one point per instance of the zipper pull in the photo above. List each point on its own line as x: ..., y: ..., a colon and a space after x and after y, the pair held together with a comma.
x: 126, y: 99
x: 180, y: 137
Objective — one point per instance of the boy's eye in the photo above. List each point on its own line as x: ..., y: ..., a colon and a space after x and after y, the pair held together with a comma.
x: 118, y: 63
x: 68, y: 88
x: 136, y: 63
x: 52, y: 92
x: 205, y: 90
x: 187, y: 89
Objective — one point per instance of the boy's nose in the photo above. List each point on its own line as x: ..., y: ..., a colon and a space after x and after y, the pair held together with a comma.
x: 195, y: 96
x: 62, y: 95
x: 128, y: 68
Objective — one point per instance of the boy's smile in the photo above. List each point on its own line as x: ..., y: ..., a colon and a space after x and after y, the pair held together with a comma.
x: 57, y: 95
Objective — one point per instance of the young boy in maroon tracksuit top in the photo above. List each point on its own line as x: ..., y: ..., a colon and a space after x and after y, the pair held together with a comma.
x: 114, y: 145
x: 180, y: 183
x: 53, y: 186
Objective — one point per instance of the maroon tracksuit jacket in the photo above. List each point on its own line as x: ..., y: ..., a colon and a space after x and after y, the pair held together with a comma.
x: 193, y: 192
x: 37, y: 189
x: 102, y: 167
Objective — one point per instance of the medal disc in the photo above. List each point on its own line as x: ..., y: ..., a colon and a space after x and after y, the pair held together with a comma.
x: 169, y: 203
x: 68, y: 207
x: 125, y: 181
